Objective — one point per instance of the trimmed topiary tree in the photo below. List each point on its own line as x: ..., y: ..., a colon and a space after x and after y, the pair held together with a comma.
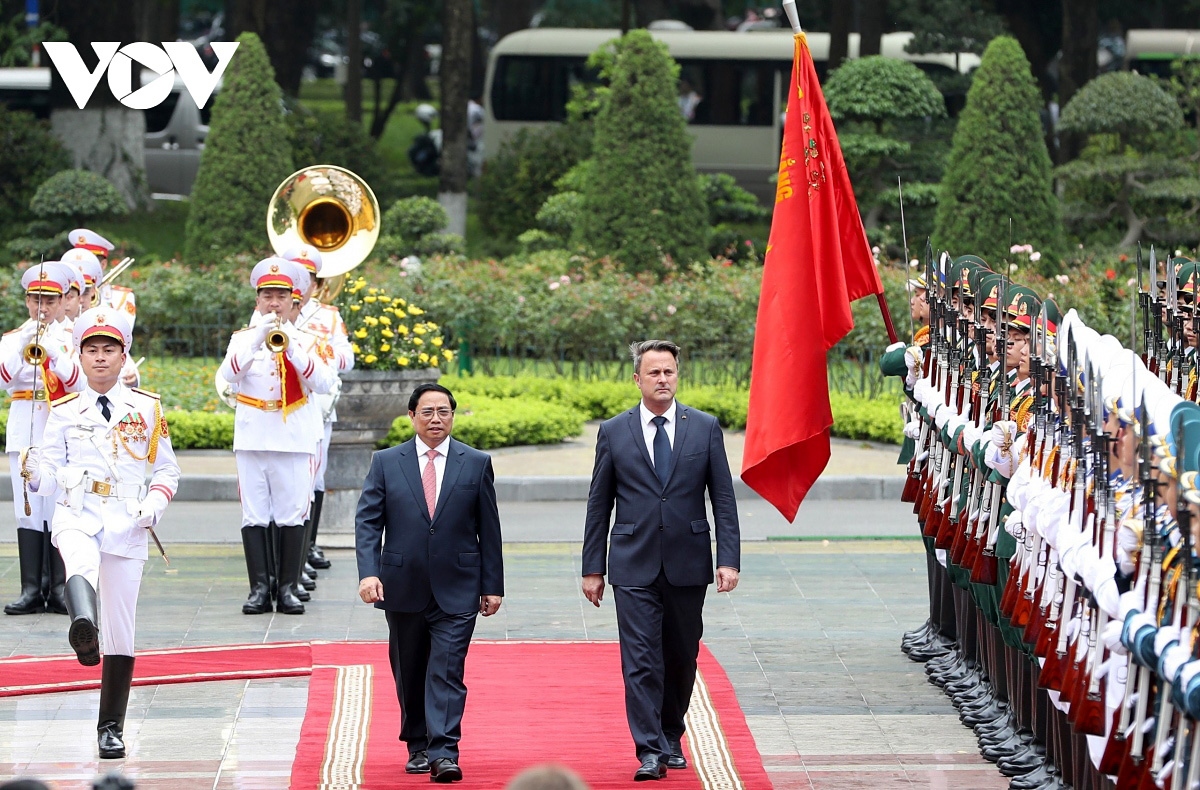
x: 642, y: 202
x: 29, y: 154
x: 73, y: 197
x: 1133, y: 167
x: 871, y: 94
x: 999, y: 167
x: 246, y: 156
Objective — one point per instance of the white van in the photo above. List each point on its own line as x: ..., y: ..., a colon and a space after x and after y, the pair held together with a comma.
x: 733, y: 88
x: 175, y: 129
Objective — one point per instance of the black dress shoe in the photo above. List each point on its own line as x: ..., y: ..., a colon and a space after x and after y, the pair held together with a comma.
x: 418, y: 763
x: 652, y: 769
x: 676, y: 759
x: 1023, y: 762
x: 1034, y: 780
x: 444, y: 769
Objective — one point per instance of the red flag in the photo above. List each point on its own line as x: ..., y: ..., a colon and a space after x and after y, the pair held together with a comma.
x: 817, y: 262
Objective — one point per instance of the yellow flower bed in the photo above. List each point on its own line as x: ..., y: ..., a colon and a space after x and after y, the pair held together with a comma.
x: 387, y: 332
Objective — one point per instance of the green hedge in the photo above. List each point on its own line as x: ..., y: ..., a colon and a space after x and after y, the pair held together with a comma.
x: 486, y: 423
x: 189, y: 430
x: 859, y: 418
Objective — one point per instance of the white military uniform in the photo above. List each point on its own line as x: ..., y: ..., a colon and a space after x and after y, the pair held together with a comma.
x: 276, y: 453
x: 118, y: 296
x: 326, y: 322
x: 95, y: 468
x: 29, y: 410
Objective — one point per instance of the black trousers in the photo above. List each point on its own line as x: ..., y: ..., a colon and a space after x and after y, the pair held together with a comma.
x: 660, y: 628
x: 428, y: 652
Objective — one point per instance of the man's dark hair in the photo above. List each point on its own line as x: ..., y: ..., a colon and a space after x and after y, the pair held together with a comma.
x: 636, y: 350
x: 24, y: 784
x: 415, y: 398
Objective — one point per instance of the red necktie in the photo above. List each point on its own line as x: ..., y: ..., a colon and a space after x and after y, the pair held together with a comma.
x: 429, y: 482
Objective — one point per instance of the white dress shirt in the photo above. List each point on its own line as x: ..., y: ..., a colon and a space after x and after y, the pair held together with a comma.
x: 649, y: 429
x: 439, y: 462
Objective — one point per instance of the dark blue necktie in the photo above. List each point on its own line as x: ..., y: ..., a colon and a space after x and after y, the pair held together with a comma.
x: 102, y: 402
x: 662, y: 450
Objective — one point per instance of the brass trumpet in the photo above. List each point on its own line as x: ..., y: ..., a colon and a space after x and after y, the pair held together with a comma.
x: 277, y: 339
x: 35, y: 353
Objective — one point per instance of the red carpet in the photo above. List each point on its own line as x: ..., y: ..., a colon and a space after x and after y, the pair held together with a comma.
x: 528, y: 703
x: 46, y: 674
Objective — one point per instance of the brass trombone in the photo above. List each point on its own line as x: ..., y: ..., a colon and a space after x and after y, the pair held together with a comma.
x: 114, y: 272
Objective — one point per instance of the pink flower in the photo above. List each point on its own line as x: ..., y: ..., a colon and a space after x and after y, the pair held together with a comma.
x: 1062, y: 279
x: 1036, y: 256
x: 564, y: 279
x: 670, y: 309
x: 554, y: 285
x: 520, y: 300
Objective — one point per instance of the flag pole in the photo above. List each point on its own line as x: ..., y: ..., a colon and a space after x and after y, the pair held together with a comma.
x: 789, y: 8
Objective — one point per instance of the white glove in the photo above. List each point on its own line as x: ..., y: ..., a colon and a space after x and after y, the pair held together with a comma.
x: 1173, y: 660
x: 922, y: 392
x: 955, y: 422
x: 1003, y: 432
x: 912, y: 429
x: 258, y: 334
x: 1112, y: 637
x: 1127, y: 539
x: 971, y: 435
x: 1126, y: 562
x: 943, y: 415
x: 1014, y: 526
x: 151, y: 509
x: 912, y: 357
x: 31, y: 459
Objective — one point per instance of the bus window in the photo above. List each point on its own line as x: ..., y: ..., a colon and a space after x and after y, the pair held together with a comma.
x: 727, y: 92
x: 533, y: 88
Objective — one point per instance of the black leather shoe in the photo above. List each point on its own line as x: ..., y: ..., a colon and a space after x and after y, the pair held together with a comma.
x: 418, y: 763
x: 652, y: 769
x: 935, y: 649
x: 1036, y: 779
x: 445, y: 770
x: 1006, y: 748
x: 1023, y: 762
x: 676, y: 759
x: 316, y: 558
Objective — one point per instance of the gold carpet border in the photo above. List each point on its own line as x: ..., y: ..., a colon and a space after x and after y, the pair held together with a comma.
x: 711, y: 756
x: 349, y: 725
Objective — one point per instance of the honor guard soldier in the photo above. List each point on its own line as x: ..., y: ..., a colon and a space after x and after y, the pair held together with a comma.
x: 118, y: 296
x: 36, y: 364
x: 274, y: 438
x: 326, y: 322
x: 92, y: 460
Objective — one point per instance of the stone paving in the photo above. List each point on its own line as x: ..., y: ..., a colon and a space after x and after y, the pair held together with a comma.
x: 809, y: 640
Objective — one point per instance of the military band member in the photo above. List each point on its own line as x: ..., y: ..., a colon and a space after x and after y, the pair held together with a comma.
x: 31, y: 383
x: 275, y: 437
x: 89, y: 266
x: 324, y: 321
x: 92, y: 460
x: 118, y: 296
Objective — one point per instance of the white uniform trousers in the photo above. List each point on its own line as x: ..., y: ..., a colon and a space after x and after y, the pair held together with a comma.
x: 323, y: 459
x: 116, y: 580
x: 41, y: 508
x: 274, y: 487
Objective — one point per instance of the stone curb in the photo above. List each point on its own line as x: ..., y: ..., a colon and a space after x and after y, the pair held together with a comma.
x: 551, y: 488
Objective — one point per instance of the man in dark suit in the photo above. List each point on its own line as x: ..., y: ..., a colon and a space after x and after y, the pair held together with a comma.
x: 428, y: 536
x: 655, y: 462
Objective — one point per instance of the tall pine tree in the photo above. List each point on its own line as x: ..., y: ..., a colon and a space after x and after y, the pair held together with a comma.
x: 247, y: 154
x: 643, y: 201
x: 999, y: 168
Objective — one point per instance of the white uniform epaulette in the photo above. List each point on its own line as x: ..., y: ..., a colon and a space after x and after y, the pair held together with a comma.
x: 147, y: 393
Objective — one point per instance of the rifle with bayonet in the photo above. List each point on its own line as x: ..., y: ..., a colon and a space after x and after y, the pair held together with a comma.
x: 985, y: 570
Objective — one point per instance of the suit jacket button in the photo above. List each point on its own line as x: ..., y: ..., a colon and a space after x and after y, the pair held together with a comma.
x: 664, y: 499
x: 660, y: 527
x: 431, y: 530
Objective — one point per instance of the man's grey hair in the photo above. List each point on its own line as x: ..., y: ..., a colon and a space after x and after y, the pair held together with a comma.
x: 636, y: 350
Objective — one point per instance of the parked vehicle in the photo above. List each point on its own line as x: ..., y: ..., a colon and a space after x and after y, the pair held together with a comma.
x: 736, y: 85
x: 175, y: 129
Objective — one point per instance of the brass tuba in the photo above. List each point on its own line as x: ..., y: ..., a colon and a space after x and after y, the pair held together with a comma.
x: 330, y: 208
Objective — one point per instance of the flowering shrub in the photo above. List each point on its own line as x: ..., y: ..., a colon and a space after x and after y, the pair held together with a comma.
x: 388, y: 332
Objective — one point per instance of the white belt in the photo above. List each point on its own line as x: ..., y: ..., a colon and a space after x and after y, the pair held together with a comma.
x: 104, y: 488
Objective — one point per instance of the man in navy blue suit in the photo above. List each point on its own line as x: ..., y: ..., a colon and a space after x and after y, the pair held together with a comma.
x: 430, y: 555
x: 655, y: 462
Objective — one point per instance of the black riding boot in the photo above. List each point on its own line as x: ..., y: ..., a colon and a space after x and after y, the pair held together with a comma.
x: 316, y: 557
x: 56, y: 602
x: 291, y: 554
x: 256, y: 548
x: 81, y: 608
x: 29, y: 551
x: 116, y: 678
